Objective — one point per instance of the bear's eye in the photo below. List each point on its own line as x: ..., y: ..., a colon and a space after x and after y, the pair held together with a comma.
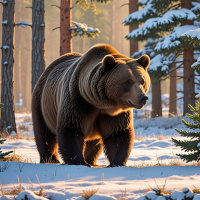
x: 128, y: 84
x: 142, y: 81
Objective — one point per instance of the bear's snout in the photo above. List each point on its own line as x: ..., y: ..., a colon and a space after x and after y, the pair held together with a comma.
x: 143, y: 99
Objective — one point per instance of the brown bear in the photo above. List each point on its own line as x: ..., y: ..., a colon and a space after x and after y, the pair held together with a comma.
x: 82, y: 104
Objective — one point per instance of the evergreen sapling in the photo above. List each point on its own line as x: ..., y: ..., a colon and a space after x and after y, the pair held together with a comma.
x: 3, y: 154
x: 191, y: 146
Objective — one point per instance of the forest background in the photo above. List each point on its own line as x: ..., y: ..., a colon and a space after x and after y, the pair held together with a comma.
x: 109, y: 22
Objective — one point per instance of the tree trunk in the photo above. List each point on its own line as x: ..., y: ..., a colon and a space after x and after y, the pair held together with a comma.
x: 172, y: 92
x: 156, y: 99
x: 7, y: 88
x: 38, y: 49
x: 133, y: 44
x: 65, y: 24
x: 189, y: 93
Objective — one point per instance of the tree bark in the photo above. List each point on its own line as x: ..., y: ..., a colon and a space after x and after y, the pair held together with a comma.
x: 172, y: 92
x: 38, y: 40
x: 156, y: 99
x: 7, y: 88
x: 189, y: 92
x: 133, y: 44
x: 65, y: 24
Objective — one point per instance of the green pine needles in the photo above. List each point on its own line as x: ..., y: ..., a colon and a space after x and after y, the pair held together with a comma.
x: 191, y: 146
x: 3, y: 154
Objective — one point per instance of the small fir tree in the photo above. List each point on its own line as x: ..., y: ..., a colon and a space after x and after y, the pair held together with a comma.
x: 192, y: 146
x: 3, y: 154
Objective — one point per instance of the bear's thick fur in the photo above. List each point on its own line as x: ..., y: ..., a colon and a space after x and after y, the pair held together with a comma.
x: 83, y: 104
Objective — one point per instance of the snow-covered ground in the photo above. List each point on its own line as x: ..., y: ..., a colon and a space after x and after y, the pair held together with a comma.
x: 152, y: 163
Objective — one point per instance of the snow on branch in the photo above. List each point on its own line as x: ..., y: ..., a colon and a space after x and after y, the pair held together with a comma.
x: 5, y: 47
x: 196, y: 7
x: 5, y: 22
x: 140, y: 15
x: 168, y: 20
x: 79, y: 29
x: 192, y: 33
x: 173, y: 39
x: 160, y: 61
x: 24, y: 24
x: 3, y: 2
x: 196, y: 64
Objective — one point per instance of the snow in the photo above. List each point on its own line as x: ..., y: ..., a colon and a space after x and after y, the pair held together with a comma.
x: 193, y: 33
x: 5, y: 47
x: 5, y: 22
x: 152, y: 162
x: 158, y: 61
x: 140, y: 14
x: 81, y: 28
x: 30, y: 195
x: 167, y: 18
x: 4, y: 2
x: 173, y: 39
x: 23, y: 23
x: 196, y: 7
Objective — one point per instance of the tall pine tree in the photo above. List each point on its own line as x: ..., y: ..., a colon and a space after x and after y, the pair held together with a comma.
x: 191, y: 146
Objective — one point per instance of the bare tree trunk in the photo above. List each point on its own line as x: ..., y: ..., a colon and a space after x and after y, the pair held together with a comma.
x: 156, y: 99
x: 172, y: 92
x: 38, y: 48
x: 133, y: 44
x: 65, y: 24
x: 189, y: 93
x: 7, y: 88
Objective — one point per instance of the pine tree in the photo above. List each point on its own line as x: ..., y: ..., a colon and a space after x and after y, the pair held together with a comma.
x: 191, y: 146
x: 4, y: 154
x: 7, y: 68
x: 166, y: 21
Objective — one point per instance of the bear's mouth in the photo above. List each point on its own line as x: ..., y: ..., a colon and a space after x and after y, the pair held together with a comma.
x: 136, y: 106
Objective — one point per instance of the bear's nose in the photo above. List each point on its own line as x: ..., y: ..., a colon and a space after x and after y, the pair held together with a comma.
x: 143, y: 98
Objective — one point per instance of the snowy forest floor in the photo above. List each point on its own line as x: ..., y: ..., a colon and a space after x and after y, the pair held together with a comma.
x: 153, y: 163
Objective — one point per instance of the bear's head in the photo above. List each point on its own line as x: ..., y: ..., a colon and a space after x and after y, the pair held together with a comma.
x: 126, y: 82
x: 117, y: 83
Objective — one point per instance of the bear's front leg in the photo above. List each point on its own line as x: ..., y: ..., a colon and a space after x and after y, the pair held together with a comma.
x: 71, y: 144
x: 118, y: 147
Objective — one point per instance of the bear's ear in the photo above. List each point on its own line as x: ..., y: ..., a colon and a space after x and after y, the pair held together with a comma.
x: 144, y: 61
x: 108, y: 62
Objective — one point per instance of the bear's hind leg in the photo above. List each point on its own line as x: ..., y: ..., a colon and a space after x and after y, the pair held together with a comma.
x: 45, y: 140
x: 93, y: 149
x: 49, y: 152
x: 47, y: 145
x: 118, y: 147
